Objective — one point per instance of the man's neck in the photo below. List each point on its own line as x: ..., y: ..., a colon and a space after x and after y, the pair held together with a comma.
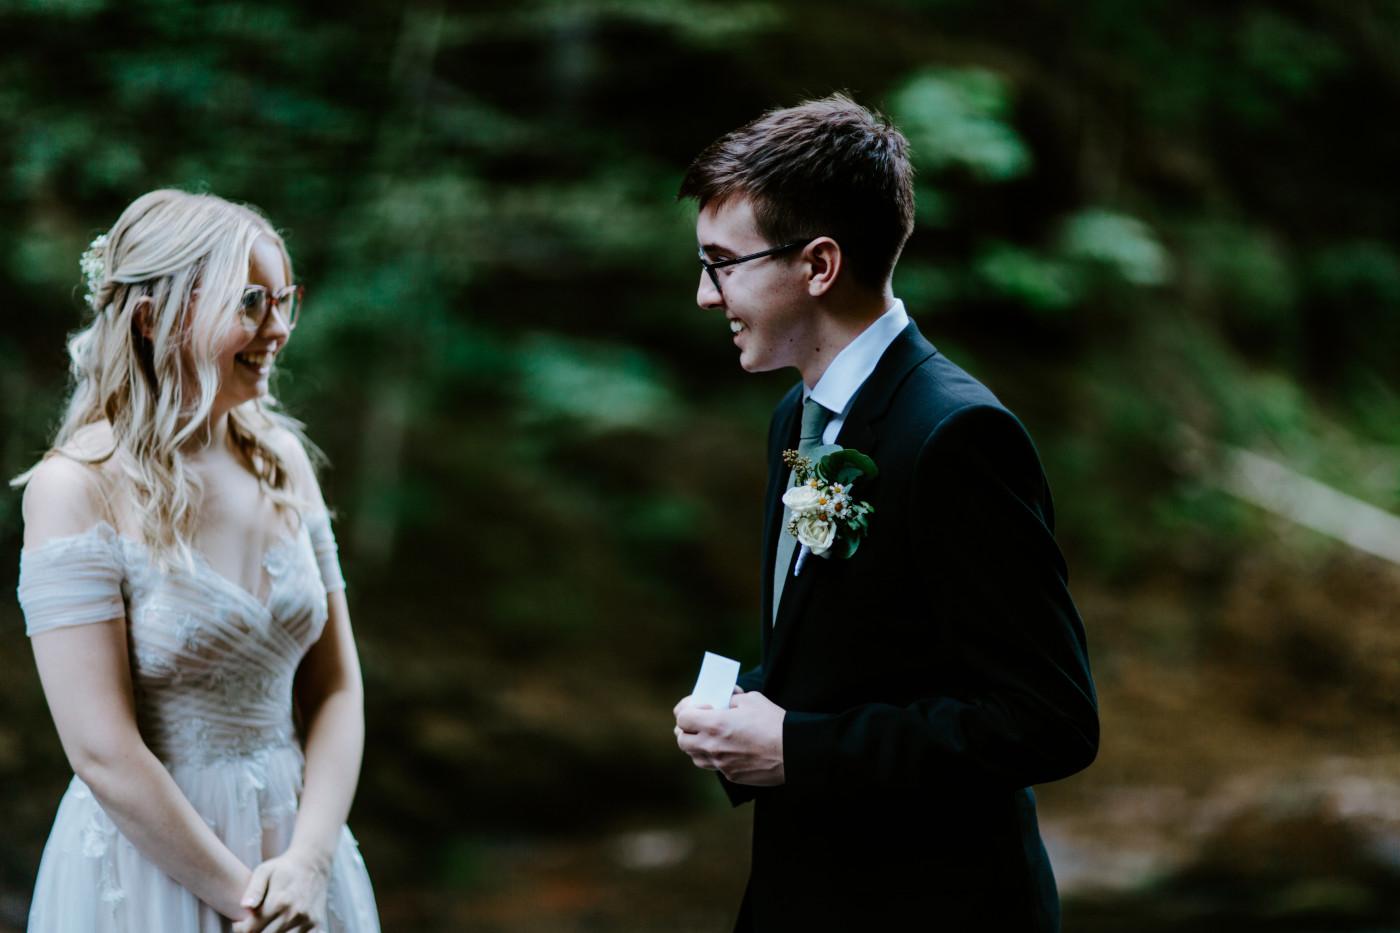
x: 843, y: 320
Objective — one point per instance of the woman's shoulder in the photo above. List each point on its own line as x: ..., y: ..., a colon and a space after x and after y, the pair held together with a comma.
x: 63, y: 496
x: 291, y: 448
x: 91, y: 443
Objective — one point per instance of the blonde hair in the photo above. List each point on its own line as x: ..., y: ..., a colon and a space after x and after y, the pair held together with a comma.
x: 145, y: 365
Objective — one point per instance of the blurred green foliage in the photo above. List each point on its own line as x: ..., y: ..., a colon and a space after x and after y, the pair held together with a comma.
x: 1151, y: 227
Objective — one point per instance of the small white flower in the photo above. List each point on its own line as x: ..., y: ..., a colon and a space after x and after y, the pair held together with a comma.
x: 840, y: 508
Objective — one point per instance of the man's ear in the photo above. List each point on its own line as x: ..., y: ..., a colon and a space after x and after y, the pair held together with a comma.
x: 823, y: 258
x: 141, y: 321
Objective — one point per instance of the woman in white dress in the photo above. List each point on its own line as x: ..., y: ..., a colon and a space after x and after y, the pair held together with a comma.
x: 181, y: 588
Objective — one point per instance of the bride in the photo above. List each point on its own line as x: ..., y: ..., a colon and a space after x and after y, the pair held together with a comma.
x: 184, y: 600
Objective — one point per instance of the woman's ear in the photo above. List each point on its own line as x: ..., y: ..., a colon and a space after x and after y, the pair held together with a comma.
x: 823, y: 258
x: 141, y: 321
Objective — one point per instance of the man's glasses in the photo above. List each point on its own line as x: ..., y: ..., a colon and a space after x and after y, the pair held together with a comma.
x: 258, y: 302
x: 710, y: 267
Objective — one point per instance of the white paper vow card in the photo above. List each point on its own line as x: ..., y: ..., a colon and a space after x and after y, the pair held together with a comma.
x: 715, y: 684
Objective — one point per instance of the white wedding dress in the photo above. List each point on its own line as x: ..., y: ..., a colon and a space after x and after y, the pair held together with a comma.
x: 212, y: 667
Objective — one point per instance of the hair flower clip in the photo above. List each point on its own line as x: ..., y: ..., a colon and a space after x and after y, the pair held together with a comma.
x: 94, y: 264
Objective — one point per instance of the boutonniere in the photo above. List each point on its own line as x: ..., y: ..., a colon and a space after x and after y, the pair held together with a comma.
x: 825, y: 516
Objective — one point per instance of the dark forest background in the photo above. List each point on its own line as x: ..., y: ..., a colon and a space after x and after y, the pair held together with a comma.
x: 1166, y: 234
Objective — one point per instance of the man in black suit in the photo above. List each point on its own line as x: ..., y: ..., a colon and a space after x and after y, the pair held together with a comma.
x: 909, y: 694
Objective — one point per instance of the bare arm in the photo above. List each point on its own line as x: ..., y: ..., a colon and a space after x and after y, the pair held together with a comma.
x: 87, y: 682
x: 329, y: 696
x: 88, y: 685
x: 329, y: 699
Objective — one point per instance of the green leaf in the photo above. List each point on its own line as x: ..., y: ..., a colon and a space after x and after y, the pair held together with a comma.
x: 847, y: 466
x: 845, y: 547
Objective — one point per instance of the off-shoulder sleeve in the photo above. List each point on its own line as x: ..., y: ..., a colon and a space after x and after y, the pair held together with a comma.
x: 73, y: 580
x: 327, y: 555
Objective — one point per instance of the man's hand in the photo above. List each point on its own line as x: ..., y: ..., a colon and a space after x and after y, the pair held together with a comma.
x: 744, y: 742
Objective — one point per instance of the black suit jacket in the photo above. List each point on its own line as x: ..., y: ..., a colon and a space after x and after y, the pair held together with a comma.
x: 929, y: 679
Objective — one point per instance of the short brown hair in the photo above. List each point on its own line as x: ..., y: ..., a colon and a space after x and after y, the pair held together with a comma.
x: 826, y: 167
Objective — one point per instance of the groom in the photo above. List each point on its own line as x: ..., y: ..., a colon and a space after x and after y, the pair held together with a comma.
x: 910, y: 693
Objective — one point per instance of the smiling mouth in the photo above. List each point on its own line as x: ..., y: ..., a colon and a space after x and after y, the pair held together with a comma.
x: 735, y: 326
x: 258, y: 361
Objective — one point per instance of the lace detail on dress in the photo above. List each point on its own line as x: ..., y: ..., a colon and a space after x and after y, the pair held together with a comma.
x: 97, y: 841
x: 187, y: 630
x: 278, y: 559
x: 94, y: 839
x: 200, y: 742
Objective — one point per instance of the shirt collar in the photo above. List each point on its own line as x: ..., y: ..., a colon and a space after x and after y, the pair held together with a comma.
x: 853, y: 365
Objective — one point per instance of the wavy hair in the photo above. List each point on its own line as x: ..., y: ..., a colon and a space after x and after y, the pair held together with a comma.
x: 145, y: 364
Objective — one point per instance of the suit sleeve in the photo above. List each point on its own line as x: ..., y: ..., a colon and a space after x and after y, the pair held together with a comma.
x: 1016, y: 705
x: 751, y: 679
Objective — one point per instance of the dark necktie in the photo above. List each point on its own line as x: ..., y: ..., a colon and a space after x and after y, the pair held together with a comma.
x: 814, y: 419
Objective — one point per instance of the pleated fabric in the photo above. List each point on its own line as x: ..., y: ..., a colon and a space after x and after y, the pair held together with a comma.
x: 212, y: 668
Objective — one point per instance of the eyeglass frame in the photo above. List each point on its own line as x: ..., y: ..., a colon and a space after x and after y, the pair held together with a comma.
x: 710, y: 267
x: 271, y: 301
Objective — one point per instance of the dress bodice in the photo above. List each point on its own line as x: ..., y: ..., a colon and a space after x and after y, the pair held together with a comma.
x: 212, y: 668
x: 211, y: 664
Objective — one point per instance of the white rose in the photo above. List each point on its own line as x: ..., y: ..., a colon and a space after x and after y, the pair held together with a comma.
x: 816, y: 532
x: 803, y: 499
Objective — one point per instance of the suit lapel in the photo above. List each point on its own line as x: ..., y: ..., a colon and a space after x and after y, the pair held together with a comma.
x: 908, y: 351
x: 861, y: 431
x: 784, y: 438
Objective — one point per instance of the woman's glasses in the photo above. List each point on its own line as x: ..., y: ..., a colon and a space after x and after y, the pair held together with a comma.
x: 258, y: 302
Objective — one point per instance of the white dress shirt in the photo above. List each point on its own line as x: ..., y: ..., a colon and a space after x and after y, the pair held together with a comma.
x: 837, y: 387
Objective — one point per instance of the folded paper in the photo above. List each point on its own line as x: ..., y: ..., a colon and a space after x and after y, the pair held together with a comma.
x: 715, y: 684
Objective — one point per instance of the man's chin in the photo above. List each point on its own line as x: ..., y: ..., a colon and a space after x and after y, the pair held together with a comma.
x: 750, y: 365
